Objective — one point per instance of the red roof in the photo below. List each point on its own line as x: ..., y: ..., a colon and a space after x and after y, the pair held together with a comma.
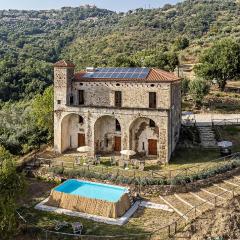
x: 64, y: 63
x: 155, y: 75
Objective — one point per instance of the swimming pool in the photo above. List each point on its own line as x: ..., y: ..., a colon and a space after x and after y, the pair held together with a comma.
x: 92, y: 190
x: 90, y: 197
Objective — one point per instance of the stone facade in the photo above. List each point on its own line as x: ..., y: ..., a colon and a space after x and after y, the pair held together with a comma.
x: 98, y: 123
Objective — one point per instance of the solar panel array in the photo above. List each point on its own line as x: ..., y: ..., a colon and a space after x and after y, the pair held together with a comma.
x: 118, y: 73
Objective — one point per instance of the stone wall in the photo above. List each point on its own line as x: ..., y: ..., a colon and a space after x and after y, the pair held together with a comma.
x: 134, y: 95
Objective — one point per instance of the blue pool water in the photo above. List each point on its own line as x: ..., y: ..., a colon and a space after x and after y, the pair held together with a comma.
x: 92, y: 190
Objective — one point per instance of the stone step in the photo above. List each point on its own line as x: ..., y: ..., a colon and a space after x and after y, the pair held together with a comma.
x: 207, y: 136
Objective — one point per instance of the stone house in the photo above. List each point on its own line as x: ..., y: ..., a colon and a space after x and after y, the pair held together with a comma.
x: 114, y: 109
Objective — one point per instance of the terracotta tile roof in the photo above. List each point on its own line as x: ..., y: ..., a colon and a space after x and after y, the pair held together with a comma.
x: 155, y: 75
x: 64, y: 63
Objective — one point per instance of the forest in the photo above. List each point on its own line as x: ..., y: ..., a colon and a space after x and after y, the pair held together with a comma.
x: 31, y: 41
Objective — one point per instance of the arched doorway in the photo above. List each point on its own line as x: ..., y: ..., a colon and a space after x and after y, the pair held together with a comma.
x: 107, y: 135
x: 144, y: 136
x: 73, y: 132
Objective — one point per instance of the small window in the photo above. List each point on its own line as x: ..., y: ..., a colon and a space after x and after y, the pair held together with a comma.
x: 71, y: 100
x: 152, y: 100
x: 152, y: 123
x: 118, y: 99
x: 80, y: 120
x: 58, y: 101
x: 81, y: 97
x: 118, y: 126
x: 143, y: 146
x: 106, y: 142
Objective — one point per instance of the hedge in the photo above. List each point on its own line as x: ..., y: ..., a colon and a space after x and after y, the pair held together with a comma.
x: 178, y: 180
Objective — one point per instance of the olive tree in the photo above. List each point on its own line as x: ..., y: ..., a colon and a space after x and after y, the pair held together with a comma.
x: 198, y: 89
x: 221, y: 62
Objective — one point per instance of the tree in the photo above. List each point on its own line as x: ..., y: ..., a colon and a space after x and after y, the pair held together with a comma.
x: 221, y: 62
x: 181, y: 43
x: 198, y: 89
x: 42, y: 110
x: 185, y: 86
x: 11, y: 188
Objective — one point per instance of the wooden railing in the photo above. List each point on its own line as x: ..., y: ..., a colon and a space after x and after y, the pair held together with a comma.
x: 225, y: 122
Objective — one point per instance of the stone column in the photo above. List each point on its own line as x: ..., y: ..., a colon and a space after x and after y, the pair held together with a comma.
x: 90, y: 133
x: 163, y: 141
x: 57, y: 132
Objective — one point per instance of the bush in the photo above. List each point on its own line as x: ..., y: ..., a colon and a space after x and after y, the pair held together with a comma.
x: 119, y: 179
x: 198, y: 89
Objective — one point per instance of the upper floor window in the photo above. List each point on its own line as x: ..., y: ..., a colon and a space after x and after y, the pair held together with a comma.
x: 118, y: 99
x: 71, y: 100
x: 152, y: 100
x: 81, y: 97
x: 58, y: 101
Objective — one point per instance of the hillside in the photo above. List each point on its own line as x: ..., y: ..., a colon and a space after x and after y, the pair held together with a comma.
x: 31, y: 40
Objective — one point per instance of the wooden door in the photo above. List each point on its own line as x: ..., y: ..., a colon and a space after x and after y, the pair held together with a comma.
x: 117, y: 145
x: 152, y: 147
x: 81, y: 140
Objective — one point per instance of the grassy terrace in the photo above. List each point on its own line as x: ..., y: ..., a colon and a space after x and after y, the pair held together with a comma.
x: 185, y: 161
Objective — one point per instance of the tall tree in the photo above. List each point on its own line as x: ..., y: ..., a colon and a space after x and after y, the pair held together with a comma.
x: 198, y: 89
x: 42, y: 110
x: 221, y: 62
x: 11, y: 188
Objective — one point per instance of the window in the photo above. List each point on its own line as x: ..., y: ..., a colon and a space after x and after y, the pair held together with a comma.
x: 152, y: 123
x: 152, y: 100
x: 81, y: 97
x: 58, y: 101
x: 80, y: 120
x: 118, y: 126
x: 71, y: 100
x: 118, y: 99
x: 106, y: 142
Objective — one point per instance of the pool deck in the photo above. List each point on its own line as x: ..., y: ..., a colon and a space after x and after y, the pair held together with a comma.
x: 119, y: 221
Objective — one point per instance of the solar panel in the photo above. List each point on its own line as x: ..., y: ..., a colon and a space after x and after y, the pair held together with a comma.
x: 118, y: 73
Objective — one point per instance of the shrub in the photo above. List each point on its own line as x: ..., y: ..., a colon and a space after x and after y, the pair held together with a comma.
x: 119, y: 179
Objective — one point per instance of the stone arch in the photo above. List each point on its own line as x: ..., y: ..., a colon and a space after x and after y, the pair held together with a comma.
x: 73, y: 131
x: 144, y: 136
x: 107, y: 134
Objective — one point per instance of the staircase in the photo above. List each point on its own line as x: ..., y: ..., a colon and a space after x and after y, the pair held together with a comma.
x: 207, y: 136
